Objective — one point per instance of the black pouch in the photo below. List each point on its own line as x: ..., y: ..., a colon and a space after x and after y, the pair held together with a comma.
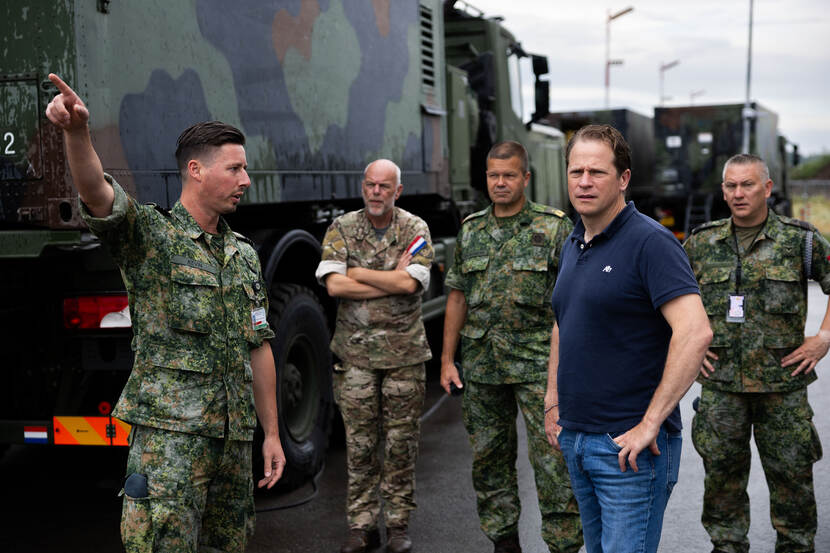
x: 136, y: 486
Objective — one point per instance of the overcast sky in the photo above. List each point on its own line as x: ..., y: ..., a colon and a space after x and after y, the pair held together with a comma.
x: 790, y: 55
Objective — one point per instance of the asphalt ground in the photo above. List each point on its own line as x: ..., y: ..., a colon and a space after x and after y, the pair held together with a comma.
x: 63, y: 500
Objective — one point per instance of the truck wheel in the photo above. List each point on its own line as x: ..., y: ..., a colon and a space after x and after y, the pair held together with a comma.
x: 304, y: 392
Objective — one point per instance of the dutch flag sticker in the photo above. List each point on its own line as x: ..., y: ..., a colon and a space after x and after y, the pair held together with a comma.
x: 416, y: 245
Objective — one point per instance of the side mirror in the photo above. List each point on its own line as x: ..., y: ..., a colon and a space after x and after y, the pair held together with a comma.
x: 540, y: 65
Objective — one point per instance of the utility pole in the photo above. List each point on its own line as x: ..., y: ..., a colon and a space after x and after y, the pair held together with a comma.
x: 748, y: 113
x: 608, y: 61
x: 663, y: 68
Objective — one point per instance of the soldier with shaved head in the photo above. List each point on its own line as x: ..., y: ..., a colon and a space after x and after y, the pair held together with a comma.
x: 377, y: 262
x: 753, y: 269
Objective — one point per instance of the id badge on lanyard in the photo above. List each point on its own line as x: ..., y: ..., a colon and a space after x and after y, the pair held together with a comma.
x: 735, y: 311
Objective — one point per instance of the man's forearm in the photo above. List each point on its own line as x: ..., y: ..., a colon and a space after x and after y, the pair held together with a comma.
x: 392, y: 282
x: 88, y: 173
x: 341, y: 286
x: 456, y: 313
x: 552, y: 393
x: 265, y: 388
x: 691, y: 336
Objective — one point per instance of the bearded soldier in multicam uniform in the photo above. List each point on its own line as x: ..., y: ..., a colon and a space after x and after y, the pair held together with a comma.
x: 377, y: 261
x: 753, y: 270
x: 198, y: 309
x: 506, y: 261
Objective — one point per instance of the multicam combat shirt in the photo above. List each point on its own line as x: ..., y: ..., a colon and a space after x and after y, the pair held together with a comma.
x: 195, y: 319
x: 507, y: 268
x: 387, y: 332
x: 773, y: 281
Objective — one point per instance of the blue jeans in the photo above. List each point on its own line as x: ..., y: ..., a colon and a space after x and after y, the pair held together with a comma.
x: 622, y: 512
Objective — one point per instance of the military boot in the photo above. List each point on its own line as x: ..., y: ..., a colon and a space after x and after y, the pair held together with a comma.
x: 508, y: 544
x: 361, y: 540
x: 398, y: 541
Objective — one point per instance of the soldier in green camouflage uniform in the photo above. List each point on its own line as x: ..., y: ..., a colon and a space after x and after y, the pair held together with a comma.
x: 198, y: 308
x: 753, y: 270
x: 501, y: 281
x: 380, y: 339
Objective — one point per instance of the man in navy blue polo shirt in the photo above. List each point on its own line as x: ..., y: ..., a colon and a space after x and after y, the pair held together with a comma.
x: 630, y: 335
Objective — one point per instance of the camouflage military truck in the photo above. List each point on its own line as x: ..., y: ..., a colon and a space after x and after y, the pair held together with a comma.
x: 692, y: 143
x: 319, y: 87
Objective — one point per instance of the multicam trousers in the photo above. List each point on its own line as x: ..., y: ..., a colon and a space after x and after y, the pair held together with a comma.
x: 788, y: 445
x: 490, y: 419
x: 199, y: 494
x: 380, y: 404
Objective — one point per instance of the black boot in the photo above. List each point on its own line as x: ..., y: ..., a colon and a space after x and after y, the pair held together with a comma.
x: 508, y: 544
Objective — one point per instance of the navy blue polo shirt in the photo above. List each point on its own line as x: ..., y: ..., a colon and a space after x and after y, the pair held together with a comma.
x: 613, y: 340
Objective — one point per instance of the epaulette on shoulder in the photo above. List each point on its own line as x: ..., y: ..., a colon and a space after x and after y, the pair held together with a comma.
x: 548, y: 210
x: 165, y: 212
x: 243, y: 238
x: 798, y: 223
x: 710, y: 224
x: 475, y: 215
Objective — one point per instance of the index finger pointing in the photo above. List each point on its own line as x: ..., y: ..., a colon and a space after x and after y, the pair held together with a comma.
x: 62, y: 86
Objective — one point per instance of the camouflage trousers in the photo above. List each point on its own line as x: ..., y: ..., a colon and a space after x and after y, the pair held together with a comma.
x: 380, y: 404
x: 199, y: 494
x: 490, y: 419
x: 788, y: 445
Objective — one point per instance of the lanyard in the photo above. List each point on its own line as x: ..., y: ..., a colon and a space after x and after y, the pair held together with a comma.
x: 738, y: 270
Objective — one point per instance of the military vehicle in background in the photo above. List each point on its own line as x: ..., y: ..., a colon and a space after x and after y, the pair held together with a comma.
x: 692, y: 145
x: 636, y: 128
x: 320, y: 88
x: 677, y: 157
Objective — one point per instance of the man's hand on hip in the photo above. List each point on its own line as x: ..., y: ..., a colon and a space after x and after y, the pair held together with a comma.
x: 633, y: 442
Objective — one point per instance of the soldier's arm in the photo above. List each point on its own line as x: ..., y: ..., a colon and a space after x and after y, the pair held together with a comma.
x: 690, y: 337
x: 397, y: 281
x: 342, y: 286
x: 265, y: 401
x: 410, y: 275
x: 67, y: 112
x: 814, y: 348
x: 454, y: 317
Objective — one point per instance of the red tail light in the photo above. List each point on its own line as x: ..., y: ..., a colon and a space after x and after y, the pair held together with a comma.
x: 90, y: 311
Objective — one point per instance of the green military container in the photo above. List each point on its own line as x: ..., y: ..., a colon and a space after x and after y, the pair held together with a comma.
x: 636, y: 128
x: 692, y: 144
x: 319, y: 87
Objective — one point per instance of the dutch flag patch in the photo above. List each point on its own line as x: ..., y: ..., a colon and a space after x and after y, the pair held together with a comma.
x: 416, y: 245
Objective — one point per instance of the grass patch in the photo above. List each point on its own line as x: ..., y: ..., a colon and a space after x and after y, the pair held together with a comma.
x: 815, y: 210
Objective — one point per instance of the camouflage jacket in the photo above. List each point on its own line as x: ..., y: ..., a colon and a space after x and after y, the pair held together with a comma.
x: 775, y: 306
x: 192, y: 319
x: 387, y: 332
x: 507, y: 268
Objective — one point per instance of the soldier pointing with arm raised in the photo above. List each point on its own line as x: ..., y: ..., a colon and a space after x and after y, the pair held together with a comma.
x: 203, y: 362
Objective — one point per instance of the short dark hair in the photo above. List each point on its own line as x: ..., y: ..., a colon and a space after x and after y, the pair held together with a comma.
x: 748, y: 159
x: 198, y: 139
x: 610, y: 136
x: 508, y: 149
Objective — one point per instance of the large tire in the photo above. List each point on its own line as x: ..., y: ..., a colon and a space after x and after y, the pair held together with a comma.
x: 304, y: 392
